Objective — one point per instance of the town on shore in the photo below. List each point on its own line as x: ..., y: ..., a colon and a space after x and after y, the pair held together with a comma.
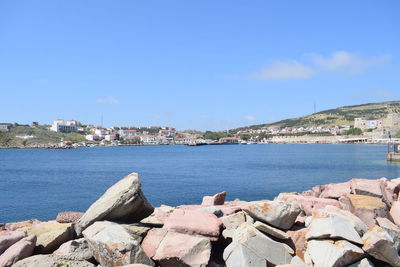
x: 353, y: 223
x: 72, y: 133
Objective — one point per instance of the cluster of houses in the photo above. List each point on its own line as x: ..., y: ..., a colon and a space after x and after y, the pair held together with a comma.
x: 275, y: 130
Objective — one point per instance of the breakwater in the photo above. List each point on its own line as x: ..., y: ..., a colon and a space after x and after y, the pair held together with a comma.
x: 353, y: 222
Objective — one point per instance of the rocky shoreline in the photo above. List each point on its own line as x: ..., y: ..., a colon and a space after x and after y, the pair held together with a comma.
x: 355, y: 223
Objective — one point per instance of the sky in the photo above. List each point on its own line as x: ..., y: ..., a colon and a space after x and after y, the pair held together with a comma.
x: 206, y: 65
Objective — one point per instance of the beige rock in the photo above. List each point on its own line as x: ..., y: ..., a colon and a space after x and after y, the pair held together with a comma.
x: 234, y: 220
x: 124, y: 201
x: 77, y: 249
x: 272, y: 231
x: 333, y: 253
x: 276, y: 213
x: 51, y: 261
x: 381, y: 245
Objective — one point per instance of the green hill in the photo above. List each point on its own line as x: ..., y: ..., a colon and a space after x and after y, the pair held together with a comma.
x: 338, y: 116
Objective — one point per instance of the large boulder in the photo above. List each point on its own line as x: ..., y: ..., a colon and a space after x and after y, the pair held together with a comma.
x: 335, y: 190
x: 276, y: 213
x: 113, y: 245
x: 158, y: 217
x: 124, y: 201
x: 18, y: 225
x: 333, y: 226
x: 20, y: 250
x: 169, y: 248
x: 271, y: 231
x: 395, y: 212
x: 248, y: 248
x: 77, y: 249
x: 299, y: 240
x: 309, y: 203
x: 391, y: 191
x: 8, y: 238
x: 68, y: 216
x: 332, y: 253
x: 194, y: 222
x: 367, y: 208
x: 217, y: 199
x: 382, y: 245
x: 363, y: 263
x: 386, y: 224
x: 50, y: 235
x: 233, y: 221
x: 51, y: 260
x: 368, y: 187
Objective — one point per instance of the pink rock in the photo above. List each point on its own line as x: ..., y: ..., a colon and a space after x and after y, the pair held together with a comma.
x: 309, y: 204
x: 299, y: 240
x: 69, y: 216
x: 395, y: 212
x: 217, y: 199
x: 20, y: 250
x: 194, y: 222
x: 368, y: 187
x: 314, y: 192
x: 176, y: 249
x: 385, y: 223
x: 335, y: 190
x: 16, y: 225
x: 391, y: 191
x: 8, y: 238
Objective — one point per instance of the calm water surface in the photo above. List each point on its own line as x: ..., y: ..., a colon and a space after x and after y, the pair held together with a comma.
x: 40, y: 183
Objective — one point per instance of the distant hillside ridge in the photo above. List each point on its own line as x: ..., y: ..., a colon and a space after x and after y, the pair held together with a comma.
x: 339, y: 116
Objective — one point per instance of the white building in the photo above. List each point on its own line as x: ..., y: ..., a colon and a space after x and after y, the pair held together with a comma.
x: 64, y: 126
x: 100, y: 132
x: 110, y: 137
x: 149, y: 140
x: 92, y: 137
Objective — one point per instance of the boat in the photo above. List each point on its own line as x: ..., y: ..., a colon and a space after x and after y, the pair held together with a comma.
x: 393, y: 151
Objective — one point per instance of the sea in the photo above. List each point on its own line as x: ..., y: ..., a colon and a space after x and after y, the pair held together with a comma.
x: 39, y: 183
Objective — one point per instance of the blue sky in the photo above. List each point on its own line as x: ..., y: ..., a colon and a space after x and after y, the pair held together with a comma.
x: 194, y: 64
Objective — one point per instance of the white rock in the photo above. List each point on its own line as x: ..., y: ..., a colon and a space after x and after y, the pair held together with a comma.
x: 269, y: 230
x: 362, y: 263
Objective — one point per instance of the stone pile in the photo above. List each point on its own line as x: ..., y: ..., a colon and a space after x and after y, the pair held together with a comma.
x: 355, y: 223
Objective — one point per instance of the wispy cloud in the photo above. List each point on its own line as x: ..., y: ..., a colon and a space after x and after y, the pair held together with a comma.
x: 110, y: 100
x: 371, y: 95
x: 346, y: 62
x: 340, y: 61
x: 250, y: 118
x: 282, y: 70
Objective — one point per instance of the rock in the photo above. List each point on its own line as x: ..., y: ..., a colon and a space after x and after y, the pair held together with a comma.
x: 77, y: 249
x: 328, y: 225
x: 362, y: 263
x: 213, y: 210
x: 299, y: 240
x: 358, y: 224
x: 391, y: 191
x: 217, y: 199
x: 234, y: 220
x: 137, y: 229
x: 194, y: 222
x: 333, y: 253
x: 159, y: 215
x: 308, y: 204
x: 51, y: 261
x: 269, y: 230
x: 68, y: 216
x: 228, y: 233
x: 276, y: 213
x: 367, y: 208
x: 50, y: 235
x: 368, y: 187
x: 8, y: 238
x: 248, y: 248
x: 124, y: 201
x: 298, y: 261
x: 17, y: 225
x: 395, y: 212
x: 335, y: 191
x: 175, y: 249
x: 387, y: 225
x: 18, y: 251
x: 137, y: 265
x: 381, y: 245
x: 113, y: 245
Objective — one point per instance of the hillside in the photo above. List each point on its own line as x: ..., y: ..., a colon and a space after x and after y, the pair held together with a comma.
x: 337, y: 116
x: 42, y: 135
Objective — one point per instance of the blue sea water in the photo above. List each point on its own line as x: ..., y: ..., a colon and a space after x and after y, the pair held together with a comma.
x: 38, y: 183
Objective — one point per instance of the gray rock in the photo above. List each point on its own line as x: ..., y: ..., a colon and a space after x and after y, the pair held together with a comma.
x: 213, y: 210
x: 381, y: 245
x: 269, y: 230
x: 77, y: 249
x: 233, y: 221
x: 124, y: 201
x: 276, y: 213
x: 362, y: 263
x: 333, y: 253
x: 113, y: 245
x: 51, y: 261
x: 248, y: 248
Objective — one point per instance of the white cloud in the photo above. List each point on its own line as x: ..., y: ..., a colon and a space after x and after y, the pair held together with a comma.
x: 346, y: 62
x: 250, y: 118
x: 110, y: 100
x: 288, y: 69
